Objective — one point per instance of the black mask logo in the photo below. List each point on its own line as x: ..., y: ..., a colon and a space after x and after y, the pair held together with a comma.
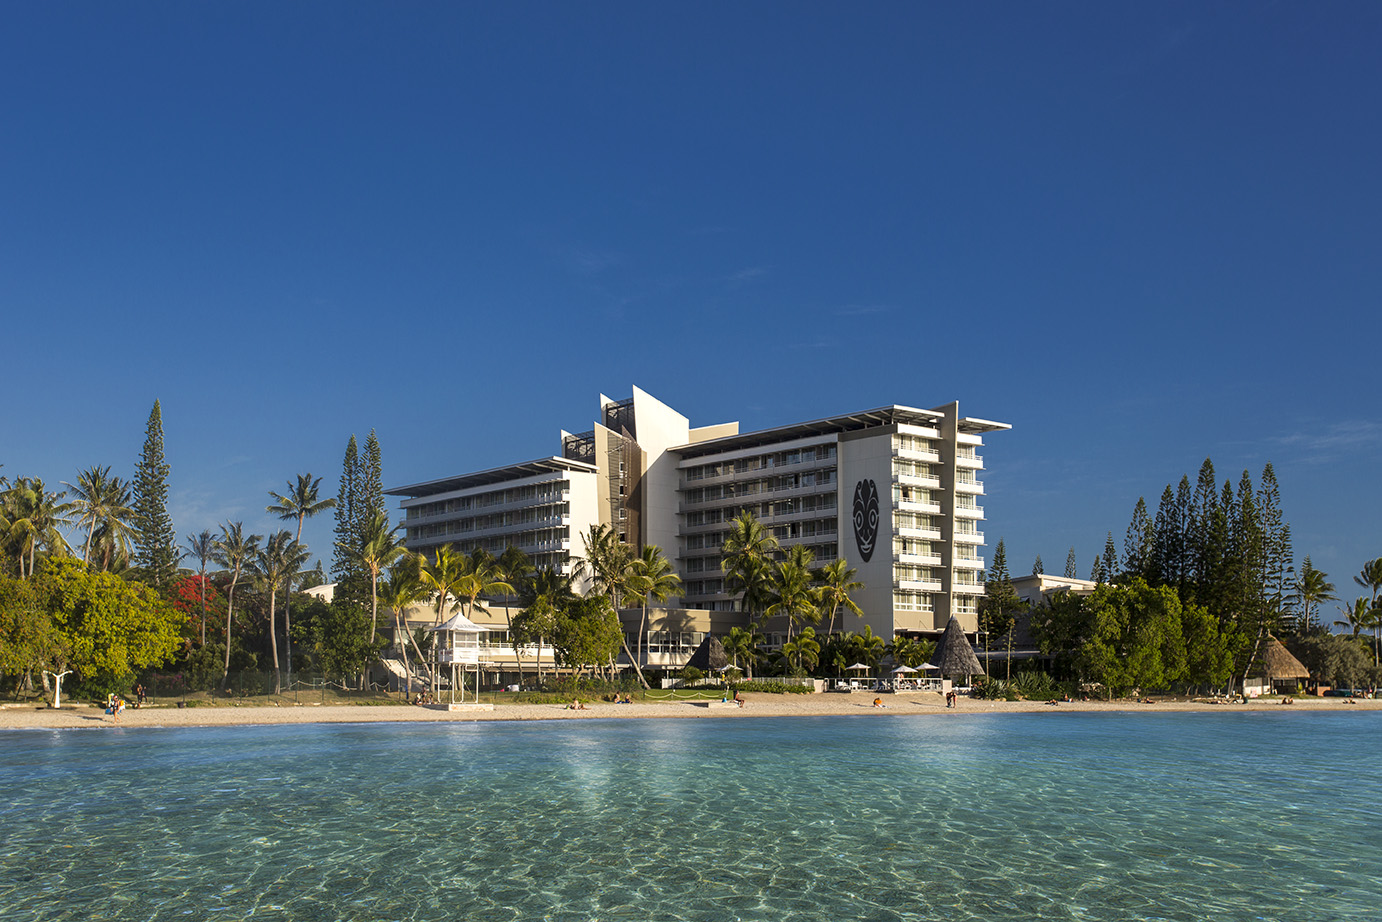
x: 865, y: 517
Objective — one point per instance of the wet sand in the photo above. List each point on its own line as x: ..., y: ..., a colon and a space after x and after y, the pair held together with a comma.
x: 758, y: 705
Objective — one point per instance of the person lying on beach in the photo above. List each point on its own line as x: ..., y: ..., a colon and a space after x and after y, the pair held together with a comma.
x: 878, y: 703
x: 576, y: 705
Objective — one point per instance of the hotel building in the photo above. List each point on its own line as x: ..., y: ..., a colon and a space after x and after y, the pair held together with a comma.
x: 895, y: 491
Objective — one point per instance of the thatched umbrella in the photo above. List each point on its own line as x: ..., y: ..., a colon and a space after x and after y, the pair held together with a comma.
x: 954, y: 656
x: 1279, y: 664
x: 710, y: 656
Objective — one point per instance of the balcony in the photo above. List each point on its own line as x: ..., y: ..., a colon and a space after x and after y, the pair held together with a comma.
x: 968, y: 537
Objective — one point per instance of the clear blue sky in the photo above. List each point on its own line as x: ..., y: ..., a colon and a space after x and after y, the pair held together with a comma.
x: 1142, y: 234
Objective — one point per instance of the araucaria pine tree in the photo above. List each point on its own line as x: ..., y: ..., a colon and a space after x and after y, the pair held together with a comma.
x: 1070, y: 565
x: 155, y: 540
x: 346, y: 516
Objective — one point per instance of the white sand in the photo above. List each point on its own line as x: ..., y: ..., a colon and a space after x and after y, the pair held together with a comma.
x: 758, y: 705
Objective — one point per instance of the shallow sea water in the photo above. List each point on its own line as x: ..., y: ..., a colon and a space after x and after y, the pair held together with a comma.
x: 982, y: 817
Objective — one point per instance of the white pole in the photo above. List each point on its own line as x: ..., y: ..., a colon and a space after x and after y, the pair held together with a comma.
x: 57, y: 686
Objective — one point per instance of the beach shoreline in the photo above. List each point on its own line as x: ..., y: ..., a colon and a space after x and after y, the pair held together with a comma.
x: 74, y: 716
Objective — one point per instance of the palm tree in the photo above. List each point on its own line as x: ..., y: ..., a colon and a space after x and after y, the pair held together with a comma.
x: 202, y: 548
x: 794, y: 596
x: 401, y: 589
x: 1370, y: 578
x: 835, y: 583
x: 1312, y: 589
x: 748, y: 553
x: 277, y: 561
x: 742, y: 643
x: 102, y: 501
x: 513, y: 567
x: 33, y: 515
x: 443, y: 574
x: 379, y: 549
x: 608, y: 563
x: 804, y: 652
x: 481, y: 579
x: 302, y: 501
x: 651, y: 577
x: 234, y: 551
x: 543, y: 596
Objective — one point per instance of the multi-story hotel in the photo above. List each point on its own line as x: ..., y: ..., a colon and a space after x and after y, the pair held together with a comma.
x: 895, y: 491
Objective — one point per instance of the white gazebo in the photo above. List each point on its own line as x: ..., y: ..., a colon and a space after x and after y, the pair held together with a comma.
x: 457, y: 645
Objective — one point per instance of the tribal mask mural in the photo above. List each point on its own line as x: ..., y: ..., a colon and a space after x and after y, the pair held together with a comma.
x: 865, y: 517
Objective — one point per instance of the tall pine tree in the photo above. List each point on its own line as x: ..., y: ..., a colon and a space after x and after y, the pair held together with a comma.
x: 1138, y: 542
x: 347, y: 515
x: 155, y: 540
x: 1070, y: 565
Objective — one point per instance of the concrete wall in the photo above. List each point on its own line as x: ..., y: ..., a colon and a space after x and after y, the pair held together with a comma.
x: 868, y: 458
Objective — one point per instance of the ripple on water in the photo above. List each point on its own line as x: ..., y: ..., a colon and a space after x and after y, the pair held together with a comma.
x: 1064, y: 817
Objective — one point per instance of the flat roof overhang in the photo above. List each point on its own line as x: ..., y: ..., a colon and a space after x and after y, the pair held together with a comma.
x: 493, y: 476
x: 849, y: 422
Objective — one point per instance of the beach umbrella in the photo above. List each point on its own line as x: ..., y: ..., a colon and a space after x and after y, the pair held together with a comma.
x: 954, y: 656
x: 858, y: 666
x: 903, y: 669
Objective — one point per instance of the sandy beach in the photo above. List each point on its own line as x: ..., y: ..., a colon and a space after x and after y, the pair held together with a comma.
x: 78, y: 715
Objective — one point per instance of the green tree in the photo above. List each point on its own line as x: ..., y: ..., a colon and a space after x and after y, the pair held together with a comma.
x: 513, y: 567
x: 202, y: 548
x: 748, y: 553
x: 277, y: 561
x: 1139, y: 543
x: 379, y: 549
x: 29, y: 640
x: 1070, y: 572
x: 442, y: 574
x: 651, y: 579
x: 836, y: 587
x: 400, y: 590
x: 155, y: 540
x: 108, y: 628
x: 543, y: 597
x: 1000, y: 605
x: 31, y: 518
x: 793, y: 591
x: 910, y: 652
x: 347, y: 513
x: 803, y: 653
x: 1037, y: 569
x: 103, y: 502
x: 742, y: 647
x: 235, y: 551
x: 1312, y: 589
x: 587, y: 633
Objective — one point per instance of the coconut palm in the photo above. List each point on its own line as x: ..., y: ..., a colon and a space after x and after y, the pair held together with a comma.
x: 835, y: 582
x: 1312, y: 588
x: 794, y: 595
x: 32, y: 517
x: 748, y: 552
x: 302, y: 501
x: 235, y: 551
x: 442, y: 575
x: 542, y: 596
x: 399, y: 590
x: 277, y: 561
x: 378, y: 549
x: 608, y: 563
x: 482, y: 578
x: 651, y: 579
x: 1370, y: 578
x: 102, y: 502
x: 202, y: 548
x: 803, y: 653
x: 513, y: 567
x: 742, y: 645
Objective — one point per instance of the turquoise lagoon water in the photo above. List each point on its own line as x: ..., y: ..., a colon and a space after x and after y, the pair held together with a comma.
x: 973, y: 817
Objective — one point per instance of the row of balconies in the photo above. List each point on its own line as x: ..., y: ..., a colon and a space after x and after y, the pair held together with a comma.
x: 760, y: 472
x: 412, y: 520
x: 779, y: 493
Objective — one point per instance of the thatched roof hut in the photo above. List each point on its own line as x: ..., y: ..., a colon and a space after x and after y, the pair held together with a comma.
x: 1278, y: 663
x: 954, y: 655
x: 710, y: 656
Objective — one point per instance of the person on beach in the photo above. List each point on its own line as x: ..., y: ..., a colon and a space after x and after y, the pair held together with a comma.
x: 878, y: 702
x: 738, y: 699
x: 116, y: 708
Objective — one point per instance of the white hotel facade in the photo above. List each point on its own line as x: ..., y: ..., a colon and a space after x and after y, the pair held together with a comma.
x: 896, y: 491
